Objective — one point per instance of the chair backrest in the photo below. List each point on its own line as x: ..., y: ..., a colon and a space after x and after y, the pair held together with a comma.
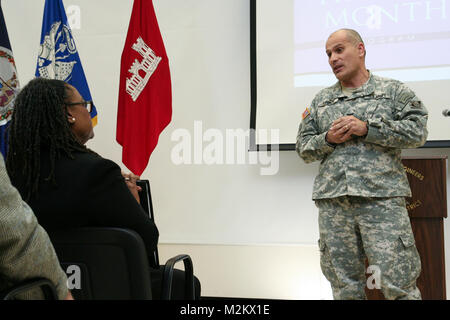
x: 145, y: 198
x: 104, y: 263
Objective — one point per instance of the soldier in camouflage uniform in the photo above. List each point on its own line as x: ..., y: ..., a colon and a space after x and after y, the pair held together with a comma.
x: 356, y: 129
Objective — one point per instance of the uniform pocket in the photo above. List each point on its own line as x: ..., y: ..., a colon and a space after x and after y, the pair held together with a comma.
x: 326, y: 265
x: 407, y: 240
x: 327, y: 114
x: 408, y: 266
x: 380, y: 107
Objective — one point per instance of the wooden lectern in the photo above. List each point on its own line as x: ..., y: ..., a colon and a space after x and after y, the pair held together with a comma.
x: 427, y: 209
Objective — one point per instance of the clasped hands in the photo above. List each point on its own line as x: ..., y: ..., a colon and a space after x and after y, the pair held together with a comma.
x: 342, y: 129
x: 130, y: 180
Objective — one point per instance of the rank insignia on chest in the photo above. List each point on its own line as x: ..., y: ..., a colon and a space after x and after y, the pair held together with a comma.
x: 305, y: 113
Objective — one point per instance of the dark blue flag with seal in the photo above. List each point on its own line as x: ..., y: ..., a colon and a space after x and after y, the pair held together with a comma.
x: 58, y: 56
x: 9, y: 84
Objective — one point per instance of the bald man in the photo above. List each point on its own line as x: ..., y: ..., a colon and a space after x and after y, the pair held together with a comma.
x: 356, y: 129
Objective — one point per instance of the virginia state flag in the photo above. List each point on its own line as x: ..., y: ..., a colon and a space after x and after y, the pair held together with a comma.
x: 58, y: 56
x: 145, y: 96
x: 9, y: 83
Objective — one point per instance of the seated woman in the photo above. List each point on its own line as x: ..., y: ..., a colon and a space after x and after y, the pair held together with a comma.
x: 66, y: 184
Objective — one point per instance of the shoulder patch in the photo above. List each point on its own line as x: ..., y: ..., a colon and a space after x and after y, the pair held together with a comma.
x: 305, y: 113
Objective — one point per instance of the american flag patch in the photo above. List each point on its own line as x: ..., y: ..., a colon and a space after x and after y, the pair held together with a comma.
x: 305, y: 113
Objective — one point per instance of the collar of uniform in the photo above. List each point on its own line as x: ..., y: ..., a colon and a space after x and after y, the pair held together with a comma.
x: 365, y: 90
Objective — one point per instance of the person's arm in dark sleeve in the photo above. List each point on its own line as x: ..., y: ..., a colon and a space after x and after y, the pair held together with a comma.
x: 113, y: 205
x: 26, y: 251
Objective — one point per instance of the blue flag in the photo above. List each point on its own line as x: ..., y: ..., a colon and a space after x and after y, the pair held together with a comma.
x: 58, y: 56
x: 9, y: 83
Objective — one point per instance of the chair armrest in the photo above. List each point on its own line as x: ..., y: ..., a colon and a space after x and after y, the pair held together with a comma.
x: 46, y: 286
x: 168, y: 276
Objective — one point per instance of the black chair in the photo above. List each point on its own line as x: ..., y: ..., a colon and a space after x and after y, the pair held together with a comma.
x: 112, y: 263
x: 145, y: 200
x: 104, y: 263
x: 46, y: 286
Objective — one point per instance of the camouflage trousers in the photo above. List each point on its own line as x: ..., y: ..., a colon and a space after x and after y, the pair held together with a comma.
x: 353, y: 228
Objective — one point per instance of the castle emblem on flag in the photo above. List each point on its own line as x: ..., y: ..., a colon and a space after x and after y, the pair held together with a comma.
x: 148, y: 65
x: 56, y: 57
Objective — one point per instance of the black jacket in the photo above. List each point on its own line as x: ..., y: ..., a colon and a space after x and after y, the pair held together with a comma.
x: 90, y: 192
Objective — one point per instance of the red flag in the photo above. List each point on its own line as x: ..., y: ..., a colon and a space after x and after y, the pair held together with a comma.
x: 145, y: 95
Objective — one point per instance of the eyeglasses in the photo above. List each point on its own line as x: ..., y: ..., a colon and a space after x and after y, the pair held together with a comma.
x: 87, y: 104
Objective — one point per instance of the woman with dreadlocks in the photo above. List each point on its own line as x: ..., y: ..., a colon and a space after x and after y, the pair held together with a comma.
x: 66, y: 184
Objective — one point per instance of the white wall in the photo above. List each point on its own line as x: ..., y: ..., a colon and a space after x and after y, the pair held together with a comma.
x: 204, y: 209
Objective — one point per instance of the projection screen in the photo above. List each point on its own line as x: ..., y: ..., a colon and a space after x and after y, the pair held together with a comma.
x: 405, y: 40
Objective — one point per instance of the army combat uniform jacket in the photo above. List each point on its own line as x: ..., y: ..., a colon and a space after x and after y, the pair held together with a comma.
x: 367, y: 166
